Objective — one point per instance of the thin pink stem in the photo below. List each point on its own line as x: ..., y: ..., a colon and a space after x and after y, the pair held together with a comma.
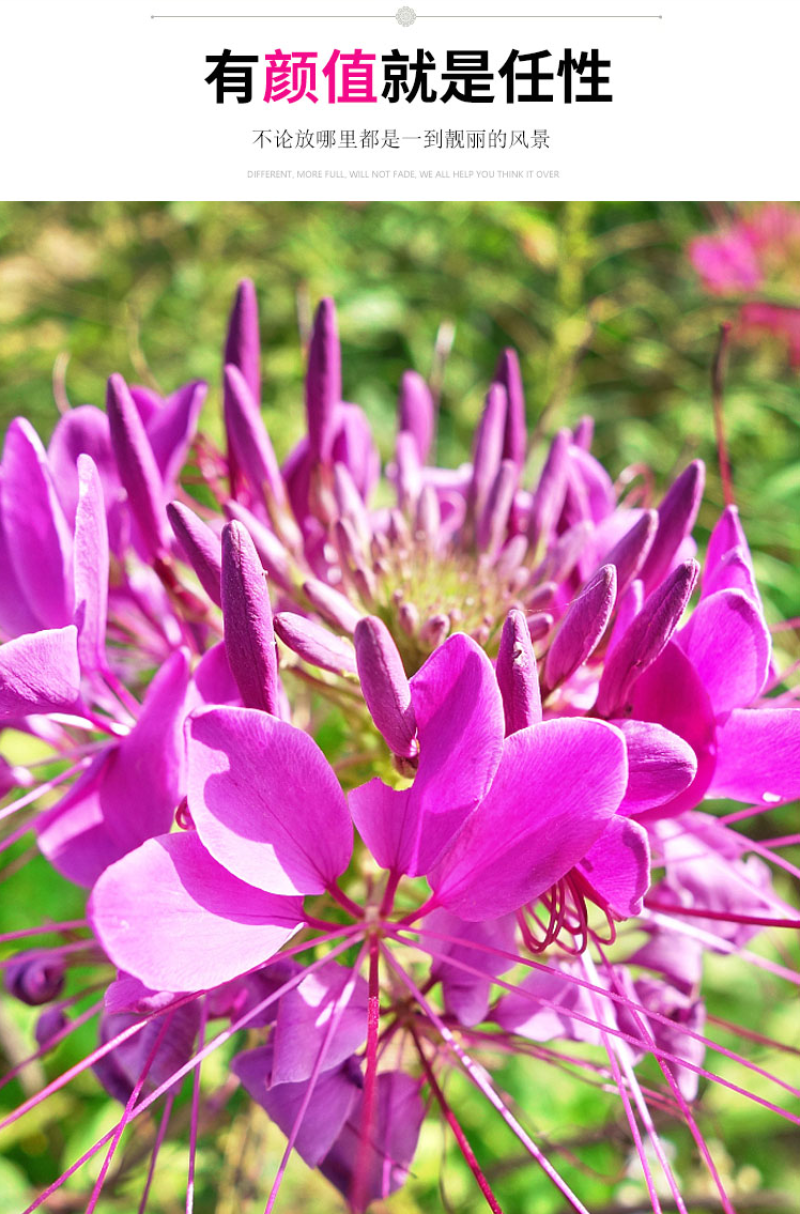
x: 540, y: 1000
x: 359, y: 1193
x: 67, y: 925
x: 700, y: 912
x: 201, y: 1040
x: 481, y: 1080
x: 460, y: 1136
x: 160, y: 1136
x: 123, y: 1121
x: 338, y: 1011
x: 41, y: 789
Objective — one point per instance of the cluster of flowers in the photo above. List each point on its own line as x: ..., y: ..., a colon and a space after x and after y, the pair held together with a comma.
x: 540, y: 704
x: 752, y: 255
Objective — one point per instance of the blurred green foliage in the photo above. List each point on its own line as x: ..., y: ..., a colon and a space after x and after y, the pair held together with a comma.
x: 609, y: 318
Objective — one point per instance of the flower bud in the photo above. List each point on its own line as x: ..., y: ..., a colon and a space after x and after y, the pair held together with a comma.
x: 385, y: 686
x: 243, y: 344
x: 137, y: 466
x: 323, y: 382
x: 35, y: 977
x: 516, y: 674
x: 315, y: 644
x: 582, y: 627
x: 515, y: 438
x: 249, y: 637
x: 676, y: 516
x: 415, y: 412
x: 548, y: 496
x: 645, y: 639
x: 249, y: 441
x: 488, y: 450
x: 332, y: 605
x: 201, y: 547
x: 629, y: 553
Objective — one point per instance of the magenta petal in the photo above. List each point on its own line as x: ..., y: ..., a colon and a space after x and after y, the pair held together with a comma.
x: 617, y: 867
x: 302, y: 1022
x: 36, y: 531
x: 91, y: 566
x: 39, y: 672
x: 326, y: 1112
x: 728, y: 643
x: 171, y: 916
x: 145, y: 777
x: 460, y: 728
x: 660, y: 765
x: 671, y: 694
x: 519, y: 1012
x: 73, y: 835
x: 266, y: 802
x: 467, y: 995
x: 120, y: 1069
x: 758, y: 758
x: 399, y: 1115
x: 557, y: 786
x: 173, y: 428
x: 676, y: 516
x: 645, y: 638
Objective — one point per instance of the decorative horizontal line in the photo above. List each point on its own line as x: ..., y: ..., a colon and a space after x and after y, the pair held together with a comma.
x: 419, y: 16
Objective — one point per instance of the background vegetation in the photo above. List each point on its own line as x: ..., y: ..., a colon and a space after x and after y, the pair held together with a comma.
x: 608, y: 317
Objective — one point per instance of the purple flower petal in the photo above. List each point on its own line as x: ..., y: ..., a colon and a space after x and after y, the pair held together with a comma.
x: 617, y: 867
x: 91, y: 567
x: 326, y: 1113
x: 515, y: 439
x: 250, y: 442
x: 758, y: 756
x: 645, y: 639
x: 265, y: 801
x: 728, y: 643
x: 171, y: 916
x: 660, y: 765
x: 583, y: 625
x: 460, y: 727
x: 302, y: 1022
x: 173, y: 428
x: 676, y: 516
x: 399, y: 1115
x: 120, y: 1069
x: 37, y: 536
x: 243, y: 343
x: 39, y: 672
x: 130, y: 792
x: 556, y: 788
x: 548, y: 496
x: 466, y: 996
